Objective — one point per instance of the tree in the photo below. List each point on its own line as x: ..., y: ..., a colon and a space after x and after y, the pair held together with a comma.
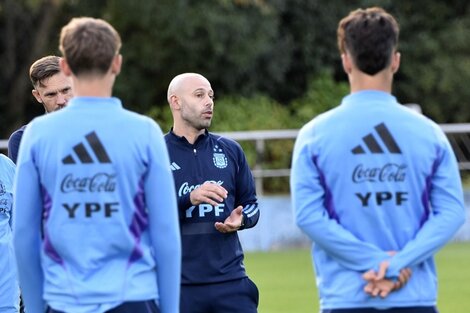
x: 244, y: 47
x: 435, y: 68
x: 223, y: 40
x: 24, y: 32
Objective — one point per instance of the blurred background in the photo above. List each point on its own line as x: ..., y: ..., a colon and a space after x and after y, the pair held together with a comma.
x: 273, y: 64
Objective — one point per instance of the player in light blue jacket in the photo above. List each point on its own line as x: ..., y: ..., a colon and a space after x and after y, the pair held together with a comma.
x: 9, y: 290
x: 96, y: 223
x: 375, y: 185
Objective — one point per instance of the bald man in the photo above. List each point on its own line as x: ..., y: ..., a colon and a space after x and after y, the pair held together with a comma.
x: 216, y: 199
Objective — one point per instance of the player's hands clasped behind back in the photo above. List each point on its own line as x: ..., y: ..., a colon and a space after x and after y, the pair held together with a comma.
x: 378, y: 285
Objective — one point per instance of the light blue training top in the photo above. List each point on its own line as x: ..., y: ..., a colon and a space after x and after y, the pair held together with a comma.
x: 97, y: 177
x: 368, y: 177
x: 9, y: 290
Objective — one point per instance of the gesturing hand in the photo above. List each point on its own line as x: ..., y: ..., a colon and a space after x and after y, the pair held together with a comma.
x: 231, y: 223
x: 208, y: 193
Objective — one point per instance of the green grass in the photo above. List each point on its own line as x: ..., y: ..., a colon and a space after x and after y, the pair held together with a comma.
x: 454, y: 278
x: 287, y: 285
x: 285, y: 281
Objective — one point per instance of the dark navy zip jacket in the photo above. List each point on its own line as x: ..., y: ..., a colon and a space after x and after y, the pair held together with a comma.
x: 208, y: 255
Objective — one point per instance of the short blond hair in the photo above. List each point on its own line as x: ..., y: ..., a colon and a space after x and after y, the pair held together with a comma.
x: 89, y: 45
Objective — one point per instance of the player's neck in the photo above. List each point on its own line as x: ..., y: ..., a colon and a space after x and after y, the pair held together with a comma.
x: 93, y: 87
x: 191, y: 134
x: 381, y: 81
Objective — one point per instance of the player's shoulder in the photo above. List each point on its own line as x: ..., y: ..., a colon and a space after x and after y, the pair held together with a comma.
x: 38, y: 125
x: 132, y: 115
x: 221, y: 139
x: 18, y: 131
x: 226, y: 144
x: 322, y: 120
x: 169, y: 137
x: 419, y: 121
x: 17, y: 134
x: 140, y: 120
x: 50, y: 120
x: 6, y: 163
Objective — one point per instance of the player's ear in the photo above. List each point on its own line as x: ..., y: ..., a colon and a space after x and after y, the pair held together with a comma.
x: 396, y: 62
x: 116, y: 64
x: 175, y: 102
x: 64, y: 66
x: 347, y: 65
x: 36, y: 95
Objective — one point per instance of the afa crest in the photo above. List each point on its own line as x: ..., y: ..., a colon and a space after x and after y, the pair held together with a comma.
x: 219, y: 158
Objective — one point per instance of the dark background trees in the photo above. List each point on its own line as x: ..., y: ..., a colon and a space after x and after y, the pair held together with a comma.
x: 253, y: 51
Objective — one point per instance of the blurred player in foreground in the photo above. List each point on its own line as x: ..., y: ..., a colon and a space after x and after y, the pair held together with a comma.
x: 96, y: 226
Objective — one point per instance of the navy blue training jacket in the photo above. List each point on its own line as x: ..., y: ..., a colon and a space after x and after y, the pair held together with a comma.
x: 208, y: 255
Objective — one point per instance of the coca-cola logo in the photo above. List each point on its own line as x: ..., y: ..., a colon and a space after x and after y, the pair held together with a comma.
x: 186, y: 188
x: 390, y: 172
x: 100, y: 182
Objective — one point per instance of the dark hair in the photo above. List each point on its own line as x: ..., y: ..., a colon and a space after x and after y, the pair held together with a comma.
x: 89, y: 45
x: 42, y: 69
x: 370, y: 36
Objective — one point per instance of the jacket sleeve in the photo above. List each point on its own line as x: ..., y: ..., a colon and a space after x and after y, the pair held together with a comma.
x: 160, y: 196
x: 310, y: 199
x: 27, y: 217
x: 14, y: 144
x: 444, y: 195
x: 246, y: 192
x: 184, y: 202
x: 8, y: 172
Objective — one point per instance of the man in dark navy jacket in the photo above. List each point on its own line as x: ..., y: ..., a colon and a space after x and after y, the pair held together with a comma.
x: 216, y: 198
x: 51, y: 88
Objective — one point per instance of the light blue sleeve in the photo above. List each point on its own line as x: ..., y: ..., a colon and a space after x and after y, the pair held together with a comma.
x: 447, y: 211
x: 8, y: 170
x: 27, y: 205
x: 9, y: 290
x: 308, y: 201
x: 164, y: 225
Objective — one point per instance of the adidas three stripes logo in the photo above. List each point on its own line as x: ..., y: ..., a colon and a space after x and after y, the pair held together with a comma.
x: 174, y: 166
x: 373, y: 145
x: 83, y: 154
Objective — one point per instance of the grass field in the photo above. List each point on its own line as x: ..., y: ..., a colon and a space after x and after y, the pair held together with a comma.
x: 286, y: 280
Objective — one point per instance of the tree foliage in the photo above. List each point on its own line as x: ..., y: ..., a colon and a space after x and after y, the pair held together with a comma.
x: 435, y: 47
x: 246, y: 48
x: 222, y: 40
x: 25, y: 29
